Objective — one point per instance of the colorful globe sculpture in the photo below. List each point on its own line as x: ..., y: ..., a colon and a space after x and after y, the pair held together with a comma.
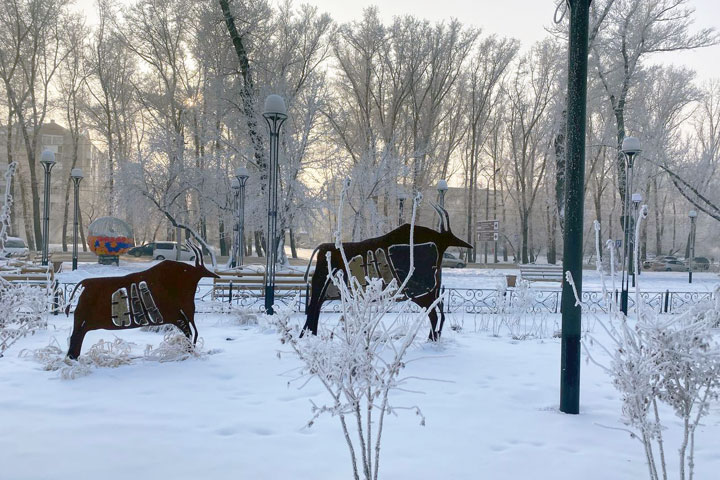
x: 110, y: 236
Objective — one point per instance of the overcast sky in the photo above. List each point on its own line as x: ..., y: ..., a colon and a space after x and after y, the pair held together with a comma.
x: 521, y: 19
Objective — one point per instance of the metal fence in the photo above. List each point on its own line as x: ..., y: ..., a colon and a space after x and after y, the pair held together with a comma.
x: 457, y: 300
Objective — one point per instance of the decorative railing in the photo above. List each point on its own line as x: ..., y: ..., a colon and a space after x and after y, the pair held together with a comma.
x: 457, y: 300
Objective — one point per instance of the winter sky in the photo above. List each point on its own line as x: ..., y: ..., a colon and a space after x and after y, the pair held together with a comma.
x: 525, y: 20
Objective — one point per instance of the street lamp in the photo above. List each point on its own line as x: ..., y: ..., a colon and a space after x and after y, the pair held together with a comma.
x: 401, y: 197
x: 235, y: 187
x: 275, y: 114
x: 636, y: 199
x: 241, y: 174
x: 630, y: 148
x: 77, y: 175
x: 47, y: 160
x: 693, y: 215
x: 442, y: 188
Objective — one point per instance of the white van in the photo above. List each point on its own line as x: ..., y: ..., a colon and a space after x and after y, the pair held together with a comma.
x: 15, y: 247
x: 168, y: 251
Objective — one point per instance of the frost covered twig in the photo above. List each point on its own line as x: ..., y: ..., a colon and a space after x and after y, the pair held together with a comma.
x: 359, y: 360
x: 673, y: 360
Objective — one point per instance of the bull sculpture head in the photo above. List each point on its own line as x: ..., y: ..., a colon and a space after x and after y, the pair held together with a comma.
x: 162, y: 294
x: 388, y: 257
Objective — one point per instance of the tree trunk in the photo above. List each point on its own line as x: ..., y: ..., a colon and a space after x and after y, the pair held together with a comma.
x: 259, y: 244
x: 221, y: 235
x: 293, y: 249
x: 524, y: 238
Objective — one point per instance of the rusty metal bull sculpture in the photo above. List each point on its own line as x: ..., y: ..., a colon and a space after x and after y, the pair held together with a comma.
x: 388, y: 257
x: 161, y: 295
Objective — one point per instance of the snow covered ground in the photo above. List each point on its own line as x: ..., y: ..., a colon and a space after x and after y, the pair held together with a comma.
x: 235, y: 414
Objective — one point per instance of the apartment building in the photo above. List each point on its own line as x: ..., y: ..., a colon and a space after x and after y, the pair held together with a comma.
x: 56, y: 138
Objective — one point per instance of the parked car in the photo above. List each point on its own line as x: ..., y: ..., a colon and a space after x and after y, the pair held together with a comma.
x: 699, y: 264
x: 451, y: 261
x: 16, y: 247
x: 168, y: 250
x: 669, y: 266
x: 145, y: 250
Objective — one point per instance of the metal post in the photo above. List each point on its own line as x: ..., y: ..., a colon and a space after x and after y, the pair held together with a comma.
x: 636, y: 199
x: 77, y: 175
x: 275, y: 114
x: 47, y: 160
x: 574, y: 205
x: 693, y: 216
x: 242, y: 177
x: 401, y: 203
x: 630, y: 148
x: 235, y: 187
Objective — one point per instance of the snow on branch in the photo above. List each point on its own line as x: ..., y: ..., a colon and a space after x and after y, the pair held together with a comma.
x: 359, y: 360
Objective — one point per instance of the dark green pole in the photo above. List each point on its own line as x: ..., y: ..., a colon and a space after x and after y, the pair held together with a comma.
x: 574, y: 202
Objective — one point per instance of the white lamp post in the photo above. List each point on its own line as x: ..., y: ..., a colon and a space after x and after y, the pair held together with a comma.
x: 77, y: 175
x: 47, y: 160
x: 275, y: 115
x: 630, y: 148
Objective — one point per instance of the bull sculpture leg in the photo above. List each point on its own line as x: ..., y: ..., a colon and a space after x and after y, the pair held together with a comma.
x: 188, y: 311
x: 319, y: 285
x: 76, y: 339
x: 435, y: 327
x: 183, y: 323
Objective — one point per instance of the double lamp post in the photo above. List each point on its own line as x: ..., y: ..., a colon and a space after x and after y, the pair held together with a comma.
x: 630, y: 149
x: 47, y: 160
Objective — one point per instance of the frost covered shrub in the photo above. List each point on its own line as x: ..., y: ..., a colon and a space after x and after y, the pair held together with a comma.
x: 22, y: 312
x: 102, y: 354
x: 515, y: 313
x: 663, y: 359
x: 671, y: 360
x: 359, y: 360
x: 174, y: 347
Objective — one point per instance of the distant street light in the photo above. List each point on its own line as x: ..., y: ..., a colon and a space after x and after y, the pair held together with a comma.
x: 401, y: 197
x: 442, y: 188
x: 47, y: 160
x: 241, y: 174
x: 275, y: 115
x: 77, y: 175
x: 693, y: 216
x: 630, y: 148
x: 235, y: 187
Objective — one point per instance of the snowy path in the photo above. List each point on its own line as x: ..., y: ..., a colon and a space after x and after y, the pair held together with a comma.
x: 233, y: 416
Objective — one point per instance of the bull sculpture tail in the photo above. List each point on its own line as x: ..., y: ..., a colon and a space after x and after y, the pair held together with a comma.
x: 69, y: 302
x: 307, y: 270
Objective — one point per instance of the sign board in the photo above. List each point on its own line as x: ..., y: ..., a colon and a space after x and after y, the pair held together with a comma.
x: 488, y: 225
x: 618, y: 243
x: 488, y: 236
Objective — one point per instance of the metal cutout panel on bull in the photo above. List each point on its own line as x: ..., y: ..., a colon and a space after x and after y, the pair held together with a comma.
x: 425, y: 262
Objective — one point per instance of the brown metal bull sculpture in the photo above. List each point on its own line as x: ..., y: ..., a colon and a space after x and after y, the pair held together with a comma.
x: 388, y: 257
x: 163, y: 294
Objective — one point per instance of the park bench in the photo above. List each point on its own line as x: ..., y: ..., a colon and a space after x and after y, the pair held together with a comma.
x: 541, y: 273
x: 41, y: 276
x: 235, y: 284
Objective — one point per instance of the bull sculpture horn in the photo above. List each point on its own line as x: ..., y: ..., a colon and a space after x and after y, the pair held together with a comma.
x: 444, y: 220
x: 198, y: 253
